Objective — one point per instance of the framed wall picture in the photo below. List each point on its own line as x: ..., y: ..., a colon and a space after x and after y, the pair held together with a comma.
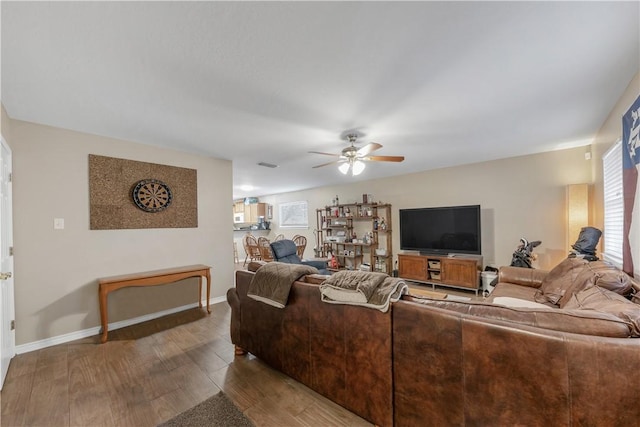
x: 294, y: 214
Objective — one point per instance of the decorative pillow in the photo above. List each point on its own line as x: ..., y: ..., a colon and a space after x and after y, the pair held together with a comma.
x: 598, y: 273
x: 605, y: 301
x: 559, y: 279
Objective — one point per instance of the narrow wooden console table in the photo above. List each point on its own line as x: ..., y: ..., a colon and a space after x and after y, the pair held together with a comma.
x: 150, y: 278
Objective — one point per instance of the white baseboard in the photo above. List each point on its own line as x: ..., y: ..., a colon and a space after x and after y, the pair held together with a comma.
x: 72, y: 336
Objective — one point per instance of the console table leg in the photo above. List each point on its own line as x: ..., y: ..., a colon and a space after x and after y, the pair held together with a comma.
x: 200, y: 291
x: 208, y: 291
x: 104, y: 315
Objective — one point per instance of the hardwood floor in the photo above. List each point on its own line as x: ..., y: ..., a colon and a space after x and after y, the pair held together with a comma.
x: 148, y: 373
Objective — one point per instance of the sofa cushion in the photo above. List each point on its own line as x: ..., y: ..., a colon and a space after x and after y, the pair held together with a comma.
x: 559, y: 279
x: 531, y: 277
x: 602, y: 300
x: 518, y: 303
x: 610, y: 277
x: 585, y: 322
x: 575, y: 274
x: 513, y: 291
x: 598, y: 273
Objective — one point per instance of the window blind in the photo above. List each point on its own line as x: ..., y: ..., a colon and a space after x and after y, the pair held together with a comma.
x: 613, y: 204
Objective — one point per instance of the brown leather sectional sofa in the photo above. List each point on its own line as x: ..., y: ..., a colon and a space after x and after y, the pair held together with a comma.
x: 341, y: 351
x: 448, y: 363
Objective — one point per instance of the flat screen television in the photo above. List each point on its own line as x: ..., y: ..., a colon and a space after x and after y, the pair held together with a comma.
x: 441, y: 230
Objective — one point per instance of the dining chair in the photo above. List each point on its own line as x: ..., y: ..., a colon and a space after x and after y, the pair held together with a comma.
x: 264, y: 246
x: 301, y: 244
x: 251, y: 248
x: 235, y: 252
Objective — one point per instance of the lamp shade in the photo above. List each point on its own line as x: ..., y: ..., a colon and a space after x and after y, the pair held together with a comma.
x: 358, y: 167
x: 578, y: 210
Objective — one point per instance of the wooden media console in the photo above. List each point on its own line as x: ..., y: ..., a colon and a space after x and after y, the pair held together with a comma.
x: 459, y: 271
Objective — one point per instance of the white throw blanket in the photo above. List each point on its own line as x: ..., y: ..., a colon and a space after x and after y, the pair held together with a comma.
x: 373, y: 290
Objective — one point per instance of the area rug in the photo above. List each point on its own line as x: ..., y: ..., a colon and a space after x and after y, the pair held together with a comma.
x: 216, y: 411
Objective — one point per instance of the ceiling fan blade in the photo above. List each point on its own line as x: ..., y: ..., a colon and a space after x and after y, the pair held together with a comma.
x: 330, y: 163
x: 324, y: 154
x: 385, y: 158
x: 369, y: 148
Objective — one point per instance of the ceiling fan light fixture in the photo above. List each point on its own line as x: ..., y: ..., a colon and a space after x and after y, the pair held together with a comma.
x: 358, y: 167
x: 353, y: 159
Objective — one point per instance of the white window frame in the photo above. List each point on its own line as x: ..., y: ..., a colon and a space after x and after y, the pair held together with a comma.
x: 613, y: 204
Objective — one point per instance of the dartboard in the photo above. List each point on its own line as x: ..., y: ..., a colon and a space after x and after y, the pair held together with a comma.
x: 152, y: 195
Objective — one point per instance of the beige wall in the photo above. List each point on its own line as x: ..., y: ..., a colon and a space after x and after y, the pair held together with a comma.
x: 609, y: 133
x: 56, y: 270
x: 520, y: 197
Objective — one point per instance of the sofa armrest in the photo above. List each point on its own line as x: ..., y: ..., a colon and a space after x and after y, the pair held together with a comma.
x: 255, y: 265
x: 234, y: 302
x: 315, y: 279
x: 530, y: 277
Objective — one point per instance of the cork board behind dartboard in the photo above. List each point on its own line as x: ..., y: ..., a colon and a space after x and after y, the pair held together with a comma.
x: 111, y: 195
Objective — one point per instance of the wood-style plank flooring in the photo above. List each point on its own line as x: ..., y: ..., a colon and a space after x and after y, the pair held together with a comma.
x: 148, y: 373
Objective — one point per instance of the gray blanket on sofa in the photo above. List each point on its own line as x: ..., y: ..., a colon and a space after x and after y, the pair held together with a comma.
x: 272, y: 282
x: 368, y: 289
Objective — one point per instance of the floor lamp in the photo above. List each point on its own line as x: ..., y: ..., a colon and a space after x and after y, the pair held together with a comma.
x: 578, y: 210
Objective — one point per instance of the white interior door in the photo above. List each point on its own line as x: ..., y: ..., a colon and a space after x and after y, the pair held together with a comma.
x: 7, y: 330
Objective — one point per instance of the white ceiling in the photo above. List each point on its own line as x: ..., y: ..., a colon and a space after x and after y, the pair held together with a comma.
x: 442, y: 83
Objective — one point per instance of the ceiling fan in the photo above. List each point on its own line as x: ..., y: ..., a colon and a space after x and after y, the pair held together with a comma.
x: 353, y: 158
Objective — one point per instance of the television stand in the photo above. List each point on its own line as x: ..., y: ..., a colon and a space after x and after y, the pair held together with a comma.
x: 458, y: 271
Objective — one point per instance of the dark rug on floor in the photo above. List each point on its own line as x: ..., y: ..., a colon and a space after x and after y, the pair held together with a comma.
x: 216, y: 411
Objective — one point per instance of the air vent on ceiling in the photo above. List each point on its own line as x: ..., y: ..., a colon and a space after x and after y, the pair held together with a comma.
x: 267, y: 165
